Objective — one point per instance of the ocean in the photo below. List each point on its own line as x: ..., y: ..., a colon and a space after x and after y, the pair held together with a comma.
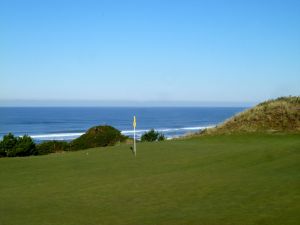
x: 67, y: 123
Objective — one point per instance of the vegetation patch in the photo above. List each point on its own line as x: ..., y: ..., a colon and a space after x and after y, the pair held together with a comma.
x: 152, y: 135
x: 278, y: 115
x: 12, y: 146
x: 99, y: 136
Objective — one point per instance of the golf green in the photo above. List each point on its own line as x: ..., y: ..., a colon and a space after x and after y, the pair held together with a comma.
x: 210, y: 180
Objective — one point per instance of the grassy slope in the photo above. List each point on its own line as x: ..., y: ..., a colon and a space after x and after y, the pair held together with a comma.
x: 253, y: 179
x: 282, y: 114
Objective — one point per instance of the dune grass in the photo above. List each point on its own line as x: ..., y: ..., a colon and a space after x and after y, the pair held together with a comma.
x: 210, y: 180
x: 278, y: 115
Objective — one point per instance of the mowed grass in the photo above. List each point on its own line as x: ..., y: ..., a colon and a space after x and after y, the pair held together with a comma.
x: 237, y: 179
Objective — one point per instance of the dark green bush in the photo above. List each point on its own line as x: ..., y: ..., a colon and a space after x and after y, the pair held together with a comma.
x: 152, y: 135
x: 8, y: 143
x: 161, y: 137
x: 12, y: 146
x: 2, y: 150
x: 52, y: 146
x: 99, y: 136
x: 25, y: 147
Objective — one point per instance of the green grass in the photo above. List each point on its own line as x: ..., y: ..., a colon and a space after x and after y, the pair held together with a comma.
x: 209, y: 180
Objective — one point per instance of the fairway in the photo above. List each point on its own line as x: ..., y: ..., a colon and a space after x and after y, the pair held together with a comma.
x: 210, y: 180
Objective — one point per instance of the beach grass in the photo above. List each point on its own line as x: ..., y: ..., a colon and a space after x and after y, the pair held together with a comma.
x: 276, y: 115
x: 209, y: 180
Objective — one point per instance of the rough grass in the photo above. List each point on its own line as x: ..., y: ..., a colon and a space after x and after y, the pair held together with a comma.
x: 210, y: 180
x: 279, y: 115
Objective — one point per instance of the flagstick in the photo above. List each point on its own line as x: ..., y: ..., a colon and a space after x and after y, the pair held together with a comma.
x: 134, y: 144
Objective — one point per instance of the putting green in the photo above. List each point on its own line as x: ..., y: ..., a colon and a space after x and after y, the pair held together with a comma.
x: 240, y: 179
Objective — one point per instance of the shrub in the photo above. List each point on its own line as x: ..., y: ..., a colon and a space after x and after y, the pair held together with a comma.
x: 8, y: 143
x: 12, y: 146
x: 99, y: 136
x: 152, y: 135
x: 52, y: 146
x: 24, y: 147
x: 2, y: 151
x: 161, y: 137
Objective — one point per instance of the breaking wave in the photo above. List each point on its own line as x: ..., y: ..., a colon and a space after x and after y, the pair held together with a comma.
x: 168, y: 132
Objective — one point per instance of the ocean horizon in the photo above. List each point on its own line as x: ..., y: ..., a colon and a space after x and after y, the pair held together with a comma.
x: 68, y: 123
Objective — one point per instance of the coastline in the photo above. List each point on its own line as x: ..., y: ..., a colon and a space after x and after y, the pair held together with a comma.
x: 66, y: 124
x: 170, y: 133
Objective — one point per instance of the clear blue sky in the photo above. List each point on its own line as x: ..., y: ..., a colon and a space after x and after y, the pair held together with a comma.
x: 118, y: 52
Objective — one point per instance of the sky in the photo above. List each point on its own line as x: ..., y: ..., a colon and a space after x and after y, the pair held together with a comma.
x: 213, y: 52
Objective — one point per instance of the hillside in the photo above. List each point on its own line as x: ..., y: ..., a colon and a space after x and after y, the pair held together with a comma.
x: 279, y: 115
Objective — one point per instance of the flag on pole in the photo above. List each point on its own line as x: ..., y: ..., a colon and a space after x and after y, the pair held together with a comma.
x: 134, y: 144
x: 134, y: 122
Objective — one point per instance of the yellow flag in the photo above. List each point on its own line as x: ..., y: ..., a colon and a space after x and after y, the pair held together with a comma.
x: 134, y: 122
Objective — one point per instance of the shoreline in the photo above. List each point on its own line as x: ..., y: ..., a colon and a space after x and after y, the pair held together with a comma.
x: 170, y: 133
